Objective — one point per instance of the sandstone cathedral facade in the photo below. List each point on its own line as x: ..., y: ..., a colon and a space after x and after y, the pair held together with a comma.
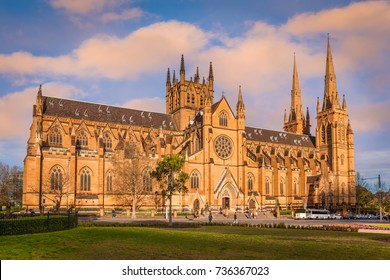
x: 74, y: 145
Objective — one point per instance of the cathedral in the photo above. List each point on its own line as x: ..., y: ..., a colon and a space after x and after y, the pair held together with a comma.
x: 73, y: 148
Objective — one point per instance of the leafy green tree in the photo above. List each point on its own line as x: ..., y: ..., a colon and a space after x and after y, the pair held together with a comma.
x: 364, y: 198
x: 171, y: 177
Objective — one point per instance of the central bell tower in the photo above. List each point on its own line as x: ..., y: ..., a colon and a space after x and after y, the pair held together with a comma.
x: 185, y: 98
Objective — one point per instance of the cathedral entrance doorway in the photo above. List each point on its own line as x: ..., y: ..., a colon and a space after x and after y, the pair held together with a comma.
x: 196, y: 205
x: 226, y: 203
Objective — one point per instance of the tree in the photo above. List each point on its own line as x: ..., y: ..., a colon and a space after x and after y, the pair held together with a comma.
x: 364, y: 197
x: 55, y: 186
x: 130, y: 178
x: 171, y: 177
x: 10, y: 185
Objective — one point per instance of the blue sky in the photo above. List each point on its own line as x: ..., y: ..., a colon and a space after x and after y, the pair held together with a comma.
x: 117, y: 52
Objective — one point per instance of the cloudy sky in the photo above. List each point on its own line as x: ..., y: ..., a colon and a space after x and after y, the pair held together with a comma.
x: 118, y: 51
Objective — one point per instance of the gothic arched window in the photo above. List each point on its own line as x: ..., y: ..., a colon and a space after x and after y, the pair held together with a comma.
x: 147, y: 181
x: 82, y: 139
x: 56, y: 178
x: 188, y: 98
x: 85, y: 179
x: 223, y: 119
x: 267, y: 186
x: 342, y: 160
x: 55, y: 137
x: 296, y: 186
x: 194, y: 179
x: 281, y: 185
x: 109, y: 181
x: 107, y: 141
x: 250, y: 182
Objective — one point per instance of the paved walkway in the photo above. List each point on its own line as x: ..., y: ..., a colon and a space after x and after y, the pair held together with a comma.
x: 218, y: 218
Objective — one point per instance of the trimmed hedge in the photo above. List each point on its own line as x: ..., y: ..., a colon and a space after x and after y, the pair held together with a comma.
x: 37, y: 224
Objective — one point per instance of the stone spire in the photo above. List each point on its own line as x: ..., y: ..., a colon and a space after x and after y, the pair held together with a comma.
x: 211, y: 77
x: 196, y: 78
x: 296, y: 119
x: 296, y: 101
x: 331, y: 96
x: 39, y: 102
x: 318, y: 105
x: 174, y: 77
x: 182, y: 69
x: 240, y: 104
x: 344, y: 103
x: 168, y: 84
x: 307, y: 122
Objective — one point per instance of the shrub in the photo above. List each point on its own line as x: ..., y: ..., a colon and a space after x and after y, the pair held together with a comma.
x: 37, y: 224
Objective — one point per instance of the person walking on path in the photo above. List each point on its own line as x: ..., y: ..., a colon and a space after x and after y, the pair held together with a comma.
x: 235, y: 218
x: 113, y: 214
x: 210, y: 217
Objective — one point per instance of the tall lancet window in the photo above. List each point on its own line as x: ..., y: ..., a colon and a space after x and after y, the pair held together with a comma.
x: 223, y: 119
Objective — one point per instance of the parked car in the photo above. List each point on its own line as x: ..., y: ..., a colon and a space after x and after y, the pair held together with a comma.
x: 361, y: 217
x: 371, y: 217
x: 336, y: 216
x: 349, y: 216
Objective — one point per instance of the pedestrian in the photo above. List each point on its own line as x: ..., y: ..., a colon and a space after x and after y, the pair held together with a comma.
x: 210, y: 217
x: 235, y: 218
x: 113, y: 214
x: 32, y: 213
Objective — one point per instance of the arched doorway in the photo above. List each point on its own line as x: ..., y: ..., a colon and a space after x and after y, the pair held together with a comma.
x: 196, y: 204
x: 226, y: 202
x: 226, y: 199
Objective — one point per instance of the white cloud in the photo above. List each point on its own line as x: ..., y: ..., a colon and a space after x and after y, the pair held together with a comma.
x: 149, y: 49
x: 148, y: 104
x: 123, y: 15
x: 81, y: 6
x: 16, y: 108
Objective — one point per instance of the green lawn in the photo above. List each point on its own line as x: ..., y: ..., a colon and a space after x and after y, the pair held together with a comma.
x: 209, y: 242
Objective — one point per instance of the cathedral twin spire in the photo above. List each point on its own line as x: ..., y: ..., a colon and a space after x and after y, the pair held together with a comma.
x: 296, y: 122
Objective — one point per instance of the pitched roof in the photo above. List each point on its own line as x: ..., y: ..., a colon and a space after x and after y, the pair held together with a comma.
x: 66, y: 108
x: 279, y: 137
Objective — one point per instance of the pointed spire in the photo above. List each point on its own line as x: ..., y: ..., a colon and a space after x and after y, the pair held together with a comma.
x: 296, y: 101
x: 196, y: 78
x: 285, y: 115
x: 318, y: 105
x: 182, y: 69
x: 174, y: 77
x: 168, y: 79
x: 344, y: 103
x: 307, y: 115
x: 295, y: 81
x: 211, y: 77
x: 39, y: 95
x: 38, y: 107
x: 331, y: 97
x: 307, y: 124
x: 211, y: 74
x: 349, y: 128
x: 240, y: 103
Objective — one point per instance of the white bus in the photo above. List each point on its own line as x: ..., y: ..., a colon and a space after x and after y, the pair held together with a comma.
x: 317, y: 214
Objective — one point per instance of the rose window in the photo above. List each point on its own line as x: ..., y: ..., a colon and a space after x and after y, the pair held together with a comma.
x: 223, y: 146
